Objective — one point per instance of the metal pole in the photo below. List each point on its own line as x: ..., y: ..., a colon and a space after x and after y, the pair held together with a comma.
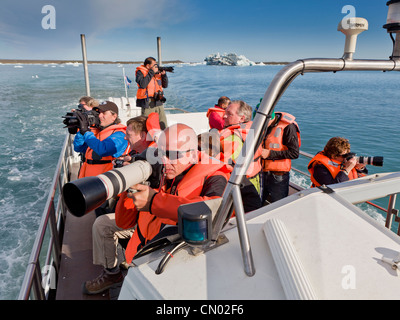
x: 396, y: 49
x: 389, y: 212
x: 85, y: 64
x: 275, y: 90
x: 247, y: 256
x: 159, y: 51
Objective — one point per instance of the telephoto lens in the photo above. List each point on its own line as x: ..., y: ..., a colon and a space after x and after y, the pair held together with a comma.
x: 86, y: 194
x: 374, y: 161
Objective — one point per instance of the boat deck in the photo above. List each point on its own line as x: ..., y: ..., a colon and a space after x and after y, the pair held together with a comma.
x: 76, y: 260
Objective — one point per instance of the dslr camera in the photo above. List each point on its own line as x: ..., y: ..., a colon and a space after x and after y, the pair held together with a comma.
x: 374, y: 161
x: 167, y: 69
x: 159, y: 96
x: 119, y: 163
x: 71, y: 121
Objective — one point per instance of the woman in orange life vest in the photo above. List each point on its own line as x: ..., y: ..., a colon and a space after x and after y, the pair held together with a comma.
x: 215, y: 115
x: 150, y: 96
x: 103, y: 146
x: 332, y: 165
x: 191, y: 176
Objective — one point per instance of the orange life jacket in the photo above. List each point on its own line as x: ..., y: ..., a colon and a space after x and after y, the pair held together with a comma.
x: 153, y: 125
x: 241, y: 130
x: 188, y: 190
x: 216, y: 109
x: 274, y: 141
x: 332, y: 165
x: 93, y: 167
x: 154, y: 85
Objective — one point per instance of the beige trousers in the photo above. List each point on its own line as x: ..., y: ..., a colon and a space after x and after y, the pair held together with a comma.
x: 105, y: 235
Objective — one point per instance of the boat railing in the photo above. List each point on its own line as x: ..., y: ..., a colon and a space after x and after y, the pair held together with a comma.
x: 44, y: 262
x: 390, y: 212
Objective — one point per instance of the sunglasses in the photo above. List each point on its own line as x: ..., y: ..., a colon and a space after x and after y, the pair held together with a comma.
x: 173, y: 154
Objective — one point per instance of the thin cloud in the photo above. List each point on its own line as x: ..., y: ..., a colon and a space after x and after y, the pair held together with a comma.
x: 21, y: 30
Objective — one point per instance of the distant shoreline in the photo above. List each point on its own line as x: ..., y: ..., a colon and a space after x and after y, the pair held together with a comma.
x: 27, y: 61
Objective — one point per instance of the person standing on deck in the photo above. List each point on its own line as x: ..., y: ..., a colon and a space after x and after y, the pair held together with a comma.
x: 335, y: 164
x: 279, y: 148
x: 150, y: 95
x: 102, y: 146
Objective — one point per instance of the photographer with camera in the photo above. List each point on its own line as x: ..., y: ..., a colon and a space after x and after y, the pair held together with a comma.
x: 190, y: 176
x: 335, y: 164
x: 87, y: 103
x: 103, y: 146
x: 150, y: 94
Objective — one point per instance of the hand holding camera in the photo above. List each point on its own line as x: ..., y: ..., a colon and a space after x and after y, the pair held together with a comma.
x: 83, y: 123
x: 348, y: 164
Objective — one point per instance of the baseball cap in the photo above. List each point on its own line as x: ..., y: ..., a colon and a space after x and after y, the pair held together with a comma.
x: 107, y: 105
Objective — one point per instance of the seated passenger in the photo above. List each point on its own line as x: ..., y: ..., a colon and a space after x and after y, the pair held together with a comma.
x: 105, y: 232
x: 215, y: 115
x: 190, y: 176
x: 237, y: 127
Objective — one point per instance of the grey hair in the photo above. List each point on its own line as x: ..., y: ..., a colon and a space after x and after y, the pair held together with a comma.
x: 244, y: 110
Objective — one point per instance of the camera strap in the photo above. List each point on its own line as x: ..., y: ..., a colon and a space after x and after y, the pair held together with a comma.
x: 89, y: 161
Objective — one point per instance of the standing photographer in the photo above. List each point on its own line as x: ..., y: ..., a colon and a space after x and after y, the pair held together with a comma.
x: 150, y: 95
x: 100, y: 147
x: 334, y: 165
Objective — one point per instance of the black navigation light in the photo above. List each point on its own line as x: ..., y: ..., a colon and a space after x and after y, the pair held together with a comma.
x: 195, y: 223
x: 393, y: 18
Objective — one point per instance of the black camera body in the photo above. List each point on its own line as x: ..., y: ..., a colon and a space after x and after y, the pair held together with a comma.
x: 119, y: 163
x: 159, y: 96
x: 167, y: 69
x: 71, y: 120
x: 374, y: 161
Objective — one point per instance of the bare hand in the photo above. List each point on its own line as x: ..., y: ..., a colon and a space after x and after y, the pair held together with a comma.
x: 265, y: 153
x: 348, y: 165
x: 141, y: 198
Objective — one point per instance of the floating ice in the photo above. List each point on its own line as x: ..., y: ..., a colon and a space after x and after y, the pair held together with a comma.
x: 230, y: 59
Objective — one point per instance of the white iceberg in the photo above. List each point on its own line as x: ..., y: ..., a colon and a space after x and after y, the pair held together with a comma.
x: 230, y: 59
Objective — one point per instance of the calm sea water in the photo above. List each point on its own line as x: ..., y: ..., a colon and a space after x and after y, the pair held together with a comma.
x: 364, y: 107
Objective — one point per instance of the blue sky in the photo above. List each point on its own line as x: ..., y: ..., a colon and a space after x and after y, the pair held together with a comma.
x: 262, y: 30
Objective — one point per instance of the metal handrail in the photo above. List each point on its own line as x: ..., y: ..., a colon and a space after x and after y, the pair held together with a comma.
x: 54, y: 219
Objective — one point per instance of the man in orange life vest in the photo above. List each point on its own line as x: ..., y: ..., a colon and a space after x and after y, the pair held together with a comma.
x: 280, y: 146
x: 215, y: 115
x: 102, y: 147
x: 190, y: 175
x: 237, y: 122
x: 333, y: 166
x: 105, y: 233
x: 150, y: 95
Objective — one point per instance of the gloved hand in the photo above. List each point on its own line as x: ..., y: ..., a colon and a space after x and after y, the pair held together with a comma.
x: 83, y: 123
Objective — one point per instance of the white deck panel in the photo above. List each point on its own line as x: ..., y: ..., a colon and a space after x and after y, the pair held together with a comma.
x: 340, y: 250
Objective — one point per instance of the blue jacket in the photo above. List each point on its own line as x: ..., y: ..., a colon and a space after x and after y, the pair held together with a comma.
x: 114, y: 145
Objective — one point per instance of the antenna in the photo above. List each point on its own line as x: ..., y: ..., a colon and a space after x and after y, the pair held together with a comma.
x: 351, y: 27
